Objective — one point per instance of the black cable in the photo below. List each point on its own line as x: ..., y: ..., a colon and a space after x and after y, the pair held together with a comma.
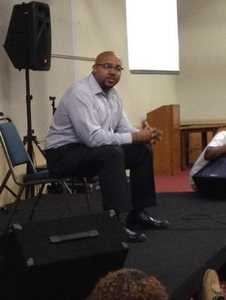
x: 198, y: 217
x: 216, y: 219
x: 193, y: 217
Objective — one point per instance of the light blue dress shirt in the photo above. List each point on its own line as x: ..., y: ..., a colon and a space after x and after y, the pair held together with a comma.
x: 87, y: 115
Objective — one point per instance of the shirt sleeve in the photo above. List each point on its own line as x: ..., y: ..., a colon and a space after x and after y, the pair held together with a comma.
x: 124, y: 125
x: 218, y: 140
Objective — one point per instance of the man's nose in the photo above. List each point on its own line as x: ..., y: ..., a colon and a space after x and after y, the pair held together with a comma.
x: 113, y: 70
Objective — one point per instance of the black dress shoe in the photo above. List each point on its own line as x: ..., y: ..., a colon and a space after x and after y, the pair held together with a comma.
x: 143, y: 218
x: 134, y: 237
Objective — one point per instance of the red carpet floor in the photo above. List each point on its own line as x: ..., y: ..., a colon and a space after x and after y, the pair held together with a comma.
x: 173, y: 183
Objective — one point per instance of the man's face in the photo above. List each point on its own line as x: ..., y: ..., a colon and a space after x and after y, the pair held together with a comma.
x: 107, y: 71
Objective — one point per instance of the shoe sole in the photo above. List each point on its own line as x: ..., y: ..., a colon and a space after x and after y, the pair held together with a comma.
x: 140, y: 225
x: 137, y: 240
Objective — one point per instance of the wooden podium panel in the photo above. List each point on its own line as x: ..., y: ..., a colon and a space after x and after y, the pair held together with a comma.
x: 167, y: 153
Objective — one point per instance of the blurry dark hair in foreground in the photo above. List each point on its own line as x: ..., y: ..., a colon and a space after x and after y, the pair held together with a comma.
x: 128, y: 284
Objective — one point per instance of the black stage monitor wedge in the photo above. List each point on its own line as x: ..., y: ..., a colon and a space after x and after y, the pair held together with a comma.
x: 61, y: 259
x: 28, y: 40
x: 211, y: 179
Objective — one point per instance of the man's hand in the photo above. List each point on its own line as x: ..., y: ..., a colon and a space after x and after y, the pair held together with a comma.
x: 147, y: 134
x: 156, y: 133
x: 156, y: 136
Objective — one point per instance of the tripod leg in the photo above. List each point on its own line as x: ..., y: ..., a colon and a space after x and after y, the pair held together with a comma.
x: 39, y: 146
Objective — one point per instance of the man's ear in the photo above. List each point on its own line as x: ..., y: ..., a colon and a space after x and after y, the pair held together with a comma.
x: 94, y: 69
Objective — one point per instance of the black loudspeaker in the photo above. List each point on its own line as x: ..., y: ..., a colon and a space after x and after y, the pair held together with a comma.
x: 211, y: 179
x: 28, y: 41
x: 60, y: 259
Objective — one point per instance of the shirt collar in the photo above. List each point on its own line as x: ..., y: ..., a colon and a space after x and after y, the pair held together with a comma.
x: 95, y: 87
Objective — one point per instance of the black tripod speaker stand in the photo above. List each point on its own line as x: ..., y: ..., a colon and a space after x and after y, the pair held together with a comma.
x: 30, y: 138
x: 28, y: 45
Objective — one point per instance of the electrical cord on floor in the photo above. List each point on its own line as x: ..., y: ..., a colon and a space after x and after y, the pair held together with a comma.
x: 193, y: 217
x: 217, y: 219
x: 198, y: 217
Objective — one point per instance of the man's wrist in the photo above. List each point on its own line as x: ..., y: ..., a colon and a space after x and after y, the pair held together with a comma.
x: 136, y: 137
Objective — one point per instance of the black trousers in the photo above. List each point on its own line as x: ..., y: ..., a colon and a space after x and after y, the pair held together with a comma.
x: 109, y: 163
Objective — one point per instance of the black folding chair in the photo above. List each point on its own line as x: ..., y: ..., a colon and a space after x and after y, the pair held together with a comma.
x: 17, y: 156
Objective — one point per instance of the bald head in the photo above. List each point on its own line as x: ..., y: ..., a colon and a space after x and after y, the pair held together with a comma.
x: 104, y: 55
x: 107, y: 70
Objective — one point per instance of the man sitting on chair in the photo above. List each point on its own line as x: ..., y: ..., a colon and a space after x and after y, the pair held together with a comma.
x: 90, y: 135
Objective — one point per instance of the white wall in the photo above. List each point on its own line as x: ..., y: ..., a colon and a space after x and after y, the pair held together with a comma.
x: 201, y: 88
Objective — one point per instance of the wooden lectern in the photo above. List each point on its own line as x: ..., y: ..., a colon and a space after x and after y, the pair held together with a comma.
x: 167, y: 153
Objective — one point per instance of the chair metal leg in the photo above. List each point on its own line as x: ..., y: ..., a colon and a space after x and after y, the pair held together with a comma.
x: 36, y: 203
x: 14, y: 207
x: 30, y: 217
x: 66, y: 187
x: 87, y: 193
x: 4, y: 184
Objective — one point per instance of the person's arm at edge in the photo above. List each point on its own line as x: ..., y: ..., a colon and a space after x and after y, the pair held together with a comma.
x: 214, y: 152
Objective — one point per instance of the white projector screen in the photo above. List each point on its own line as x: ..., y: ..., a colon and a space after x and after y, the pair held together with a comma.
x: 152, y: 36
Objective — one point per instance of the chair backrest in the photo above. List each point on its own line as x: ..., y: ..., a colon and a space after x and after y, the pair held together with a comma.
x: 12, y: 145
